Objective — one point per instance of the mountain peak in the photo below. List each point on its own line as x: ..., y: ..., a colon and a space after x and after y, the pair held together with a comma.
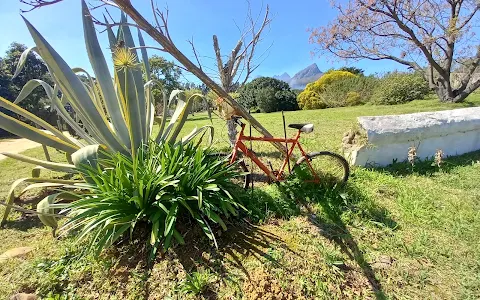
x: 284, y: 77
x: 305, y: 76
x: 302, y: 78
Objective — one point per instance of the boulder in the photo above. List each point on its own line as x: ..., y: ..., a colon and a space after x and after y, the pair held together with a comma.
x: 386, y: 139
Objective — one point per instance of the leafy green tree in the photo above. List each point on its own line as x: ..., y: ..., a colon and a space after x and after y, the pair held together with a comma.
x: 397, y: 88
x: 268, y: 94
x: 353, y: 70
x: 311, y: 98
x: 167, y: 73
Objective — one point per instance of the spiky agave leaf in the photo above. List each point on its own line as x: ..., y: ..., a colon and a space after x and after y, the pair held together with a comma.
x: 11, y: 192
x: 118, y: 114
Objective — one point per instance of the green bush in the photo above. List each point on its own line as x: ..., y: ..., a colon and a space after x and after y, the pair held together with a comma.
x: 311, y: 97
x: 268, y: 94
x: 353, y: 99
x: 162, y: 184
x: 397, y: 88
x: 349, y: 91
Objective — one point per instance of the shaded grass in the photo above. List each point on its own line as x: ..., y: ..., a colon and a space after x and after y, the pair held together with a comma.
x: 397, y: 232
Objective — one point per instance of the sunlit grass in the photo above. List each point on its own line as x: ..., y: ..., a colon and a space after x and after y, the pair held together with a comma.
x: 392, y: 233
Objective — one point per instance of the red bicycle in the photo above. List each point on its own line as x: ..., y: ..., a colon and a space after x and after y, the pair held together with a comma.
x: 322, y: 167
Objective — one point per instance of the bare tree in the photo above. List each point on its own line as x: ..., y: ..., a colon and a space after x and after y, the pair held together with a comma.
x: 159, y: 31
x: 240, y: 64
x: 426, y: 35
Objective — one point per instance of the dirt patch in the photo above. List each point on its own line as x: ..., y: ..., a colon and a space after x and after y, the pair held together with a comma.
x: 16, y: 146
x: 263, y: 286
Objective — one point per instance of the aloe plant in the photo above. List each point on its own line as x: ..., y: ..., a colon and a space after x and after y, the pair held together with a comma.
x: 116, y: 115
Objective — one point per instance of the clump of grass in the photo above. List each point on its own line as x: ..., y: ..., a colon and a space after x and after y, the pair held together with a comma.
x: 161, y: 185
x: 197, y: 282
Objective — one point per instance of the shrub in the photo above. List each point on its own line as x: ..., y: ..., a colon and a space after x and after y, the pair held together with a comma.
x: 161, y: 184
x: 353, y: 98
x: 397, y: 88
x: 349, y: 91
x: 353, y: 70
x: 311, y: 97
x: 268, y: 94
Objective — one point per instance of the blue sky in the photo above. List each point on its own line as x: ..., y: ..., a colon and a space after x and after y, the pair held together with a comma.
x: 61, y: 25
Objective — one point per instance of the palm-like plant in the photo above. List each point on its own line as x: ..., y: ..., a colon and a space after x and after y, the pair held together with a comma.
x: 116, y: 115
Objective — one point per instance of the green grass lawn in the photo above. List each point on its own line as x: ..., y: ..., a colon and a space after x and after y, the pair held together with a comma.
x: 396, y: 233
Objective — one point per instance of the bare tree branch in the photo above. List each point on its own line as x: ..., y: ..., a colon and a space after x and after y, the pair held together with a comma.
x: 161, y: 34
x: 437, y: 32
x: 34, y: 4
x: 149, y: 47
x: 195, y: 53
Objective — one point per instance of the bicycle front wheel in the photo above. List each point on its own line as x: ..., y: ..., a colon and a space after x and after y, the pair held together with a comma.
x: 326, y: 168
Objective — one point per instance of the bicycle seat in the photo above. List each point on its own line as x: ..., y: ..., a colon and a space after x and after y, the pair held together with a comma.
x: 305, y: 127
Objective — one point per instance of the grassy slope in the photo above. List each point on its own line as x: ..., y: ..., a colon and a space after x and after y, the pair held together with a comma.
x: 396, y: 233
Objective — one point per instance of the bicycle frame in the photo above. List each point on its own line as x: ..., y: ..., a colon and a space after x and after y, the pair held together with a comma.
x: 239, y: 145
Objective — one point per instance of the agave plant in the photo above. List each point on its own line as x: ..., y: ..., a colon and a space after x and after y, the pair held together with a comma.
x: 116, y: 115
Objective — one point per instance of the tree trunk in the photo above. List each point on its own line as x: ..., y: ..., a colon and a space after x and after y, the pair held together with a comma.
x: 231, y: 126
x: 232, y: 132
x: 447, y: 95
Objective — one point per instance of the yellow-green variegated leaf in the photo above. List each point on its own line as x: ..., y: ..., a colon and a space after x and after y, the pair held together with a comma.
x: 131, y: 98
x: 87, y: 156
x: 150, y: 102
x: 26, y: 114
x: 45, y: 208
x: 29, y: 132
x: 143, y: 50
x: 11, y: 192
x: 195, y: 132
x: 178, y: 113
x: 46, y: 164
x: 166, y: 104
x: 41, y: 185
x: 62, y: 112
x: 182, y: 118
x: 137, y: 75
x: 104, y: 79
x: 30, y: 86
x: 22, y: 60
x: 73, y: 89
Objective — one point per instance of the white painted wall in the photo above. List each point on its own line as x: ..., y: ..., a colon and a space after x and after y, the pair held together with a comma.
x: 389, y: 137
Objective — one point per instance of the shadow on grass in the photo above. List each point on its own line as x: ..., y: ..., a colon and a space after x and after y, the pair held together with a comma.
x: 195, y: 118
x: 27, y: 220
x: 428, y: 167
x: 244, y: 239
x: 334, y: 202
x: 24, y: 223
x: 241, y: 240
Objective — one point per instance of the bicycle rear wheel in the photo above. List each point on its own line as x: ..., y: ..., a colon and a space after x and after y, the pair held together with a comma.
x: 243, y: 180
x: 331, y: 168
